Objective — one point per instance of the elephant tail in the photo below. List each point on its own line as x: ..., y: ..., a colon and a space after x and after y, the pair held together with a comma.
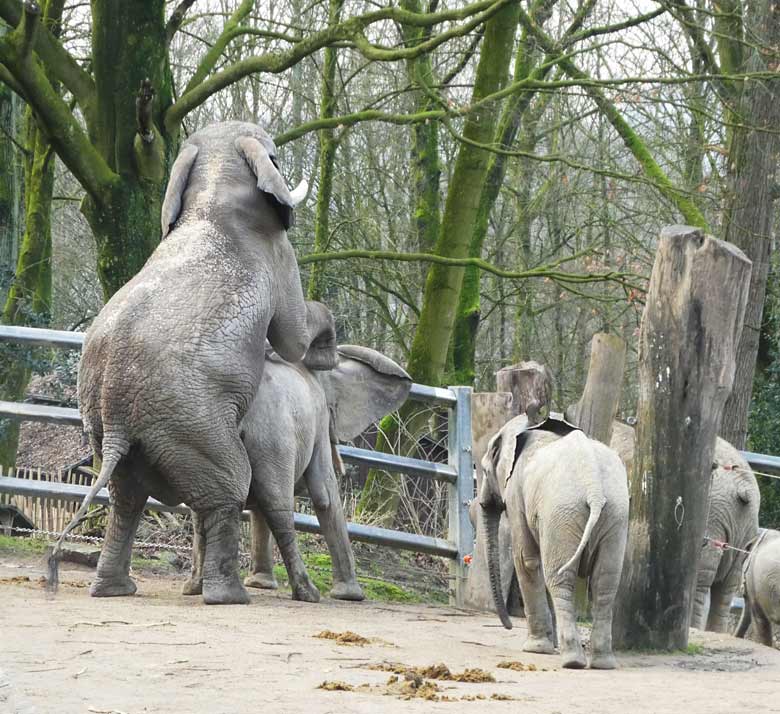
x: 111, y: 457
x: 596, y: 504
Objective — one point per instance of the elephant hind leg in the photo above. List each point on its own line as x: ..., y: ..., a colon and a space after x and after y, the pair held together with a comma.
x: 262, y: 564
x: 761, y: 624
x: 562, y: 587
x: 604, y: 580
x: 113, y: 571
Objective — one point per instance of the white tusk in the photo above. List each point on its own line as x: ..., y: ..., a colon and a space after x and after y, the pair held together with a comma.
x: 299, y: 192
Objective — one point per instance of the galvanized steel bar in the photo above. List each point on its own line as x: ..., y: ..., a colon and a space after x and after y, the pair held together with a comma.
x: 460, y: 531
x: 39, y: 412
x: 400, y: 464
x: 762, y: 462
x: 424, y: 393
x: 45, y: 338
x: 70, y: 492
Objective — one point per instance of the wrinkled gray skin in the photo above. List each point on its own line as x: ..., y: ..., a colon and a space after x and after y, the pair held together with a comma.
x: 567, y: 506
x: 761, y: 587
x: 170, y: 365
x: 290, y: 433
x: 732, y: 519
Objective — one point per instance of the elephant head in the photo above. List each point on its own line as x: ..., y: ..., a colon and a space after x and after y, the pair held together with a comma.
x: 214, y: 161
x: 363, y: 387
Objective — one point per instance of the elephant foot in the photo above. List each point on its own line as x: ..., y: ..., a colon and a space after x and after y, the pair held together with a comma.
x: 230, y: 592
x: 573, y: 660
x: 603, y: 661
x: 539, y: 645
x: 305, y: 591
x: 347, y: 591
x: 113, y: 587
x: 192, y: 586
x: 264, y: 581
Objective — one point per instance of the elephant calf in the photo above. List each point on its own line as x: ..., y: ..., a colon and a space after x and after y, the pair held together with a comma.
x: 566, y: 501
x: 290, y: 433
x: 761, y: 586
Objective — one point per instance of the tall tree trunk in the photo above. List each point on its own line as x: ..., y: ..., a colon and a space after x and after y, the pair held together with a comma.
x: 749, y: 206
x: 28, y: 301
x: 428, y: 354
x: 125, y: 217
x: 328, y: 147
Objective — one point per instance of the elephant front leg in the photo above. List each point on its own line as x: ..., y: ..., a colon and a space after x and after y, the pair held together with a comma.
x: 721, y: 596
x: 283, y: 527
x: 262, y: 567
x: 221, y: 584
x: 323, y: 489
x: 194, y: 584
x: 113, y: 570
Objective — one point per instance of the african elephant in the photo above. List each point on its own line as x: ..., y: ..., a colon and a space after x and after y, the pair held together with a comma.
x: 761, y: 586
x: 173, y: 361
x: 732, y: 520
x: 290, y: 433
x: 566, y: 500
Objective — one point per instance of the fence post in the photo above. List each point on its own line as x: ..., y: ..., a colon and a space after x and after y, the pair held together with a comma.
x: 460, y: 531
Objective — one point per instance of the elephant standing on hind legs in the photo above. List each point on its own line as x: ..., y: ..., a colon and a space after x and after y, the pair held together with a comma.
x: 290, y: 434
x: 566, y: 500
x: 174, y: 359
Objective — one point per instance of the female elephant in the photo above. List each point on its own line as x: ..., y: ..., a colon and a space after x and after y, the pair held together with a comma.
x: 566, y: 500
x: 290, y: 433
x: 761, y: 586
x: 170, y: 365
x: 732, y: 519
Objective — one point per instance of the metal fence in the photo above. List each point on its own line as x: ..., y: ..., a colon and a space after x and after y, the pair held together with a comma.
x: 457, y: 473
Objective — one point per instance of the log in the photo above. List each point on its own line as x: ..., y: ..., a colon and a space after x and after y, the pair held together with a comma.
x: 595, y: 412
x: 531, y: 385
x: 687, y: 343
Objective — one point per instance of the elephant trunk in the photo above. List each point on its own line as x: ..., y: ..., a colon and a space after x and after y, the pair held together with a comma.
x: 490, y: 519
x: 744, y: 620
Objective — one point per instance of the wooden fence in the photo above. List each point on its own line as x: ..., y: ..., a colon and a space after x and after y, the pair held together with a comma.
x: 48, y: 514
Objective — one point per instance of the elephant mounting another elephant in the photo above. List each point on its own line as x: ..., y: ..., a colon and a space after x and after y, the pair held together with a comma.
x: 290, y: 434
x: 173, y: 361
x: 566, y: 500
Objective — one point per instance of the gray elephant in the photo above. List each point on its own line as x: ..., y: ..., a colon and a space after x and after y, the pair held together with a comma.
x: 761, y: 587
x: 566, y: 500
x: 732, y: 520
x: 290, y: 433
x: 170, y: 365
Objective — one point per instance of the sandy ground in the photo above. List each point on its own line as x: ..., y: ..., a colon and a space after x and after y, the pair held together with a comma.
x: 163, y: 653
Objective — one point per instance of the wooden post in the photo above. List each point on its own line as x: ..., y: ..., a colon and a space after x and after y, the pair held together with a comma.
x: 595, y: 411
x: 687, y: 344
x: 531, y: 385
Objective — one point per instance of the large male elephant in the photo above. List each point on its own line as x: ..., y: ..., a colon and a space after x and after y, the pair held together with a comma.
x: 761, y: 586
x: 566, y: 500
x: 732, y: 520
x: 173, y: 361
x: 290, y: 433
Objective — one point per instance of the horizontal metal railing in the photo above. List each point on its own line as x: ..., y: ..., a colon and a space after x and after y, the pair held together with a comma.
x: 457, y: 473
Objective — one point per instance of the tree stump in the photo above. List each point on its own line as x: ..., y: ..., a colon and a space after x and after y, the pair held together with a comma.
x: 687, y: 343
x: 595, y: 411
x: 531, y: 385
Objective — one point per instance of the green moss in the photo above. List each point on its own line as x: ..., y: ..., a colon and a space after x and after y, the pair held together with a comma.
x: 694, y: 648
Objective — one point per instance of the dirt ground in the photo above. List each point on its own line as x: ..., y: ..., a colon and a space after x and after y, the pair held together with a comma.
x: 163, y: 653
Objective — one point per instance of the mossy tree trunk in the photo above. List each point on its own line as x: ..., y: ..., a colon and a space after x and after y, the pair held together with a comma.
x: 428, y: 354
x: 28, y: 301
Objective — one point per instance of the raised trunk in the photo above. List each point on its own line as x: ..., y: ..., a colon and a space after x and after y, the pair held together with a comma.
x: 690, y: 329
x: 531, y: 385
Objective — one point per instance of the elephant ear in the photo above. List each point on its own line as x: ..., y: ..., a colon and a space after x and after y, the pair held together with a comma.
x: 362, y: 387
x: 500, y: 457
x: 180, y: 174
x: 269, y: 180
